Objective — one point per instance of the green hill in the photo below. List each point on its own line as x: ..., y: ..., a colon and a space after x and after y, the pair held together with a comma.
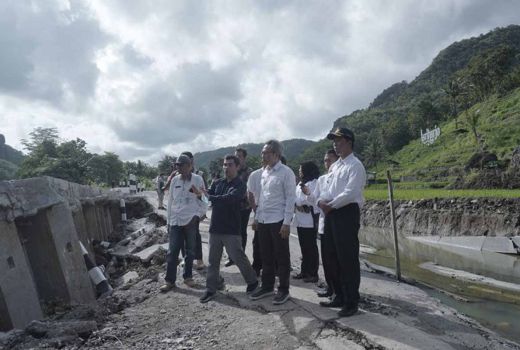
x: 481, y: 73
x: 292, y: 149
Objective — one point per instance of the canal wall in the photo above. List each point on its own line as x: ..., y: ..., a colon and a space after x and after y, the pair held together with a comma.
x: 476, y: 235
x: 42, y: 221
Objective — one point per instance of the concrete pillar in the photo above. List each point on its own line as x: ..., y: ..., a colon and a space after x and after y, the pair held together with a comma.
x: 72, y: 265
x: 19, y: 303
x: 89, y: 213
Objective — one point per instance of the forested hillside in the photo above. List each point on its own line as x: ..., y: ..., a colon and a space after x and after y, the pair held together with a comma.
x: 465, y: 89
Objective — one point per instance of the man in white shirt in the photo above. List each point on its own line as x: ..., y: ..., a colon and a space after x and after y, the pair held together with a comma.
x: 347, y: 178
x: 253, y: 193
x: 185, y: 208
x: 326, y: 242
x: 274, y: 214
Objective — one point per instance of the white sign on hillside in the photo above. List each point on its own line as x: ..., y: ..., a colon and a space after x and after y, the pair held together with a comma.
x: 429, y: 136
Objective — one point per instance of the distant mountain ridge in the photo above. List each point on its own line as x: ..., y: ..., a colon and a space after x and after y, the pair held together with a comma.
x: 292, y: 149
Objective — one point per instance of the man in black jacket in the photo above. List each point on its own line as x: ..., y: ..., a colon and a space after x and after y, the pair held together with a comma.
x: 225, y: 195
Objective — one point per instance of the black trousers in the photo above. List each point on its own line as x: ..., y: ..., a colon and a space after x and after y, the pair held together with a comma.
x: 244, y: 220
x: 198, y: 245
x: 276, y: 256
x: 257, y: 256
x: 309, y: 248
x: 328, y: 259
x: 343, y: 225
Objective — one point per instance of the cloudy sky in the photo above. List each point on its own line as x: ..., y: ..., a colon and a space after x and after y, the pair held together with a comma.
x: 148, y: 78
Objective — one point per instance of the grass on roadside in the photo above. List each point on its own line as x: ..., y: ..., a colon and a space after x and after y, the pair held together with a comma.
x: 416, y: 194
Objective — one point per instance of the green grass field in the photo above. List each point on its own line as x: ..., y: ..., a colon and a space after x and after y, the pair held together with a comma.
x: 380, y: 193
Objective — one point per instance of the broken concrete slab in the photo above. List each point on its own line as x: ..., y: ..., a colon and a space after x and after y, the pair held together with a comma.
x: 147, y: 254
x: 129, y: 277
x: 390, y: 333
x: 336, y: 343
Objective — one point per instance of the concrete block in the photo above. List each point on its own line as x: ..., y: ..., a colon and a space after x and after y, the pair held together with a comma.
x: 69, y: 254
x: 19, y: 303
x: 499, y: 245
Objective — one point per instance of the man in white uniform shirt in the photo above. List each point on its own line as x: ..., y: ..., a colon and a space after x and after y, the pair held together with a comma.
x: 346, y: 182
x: 274, y: 215
x: 185, y: 208
x: 254, y: 183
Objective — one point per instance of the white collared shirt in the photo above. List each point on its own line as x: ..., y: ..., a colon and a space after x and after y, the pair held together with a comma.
x: 254, y: 183
x: 320, y: 193
x: 183, y: 205
x: 277, y: 197
x: 302, y: 219
x: 346, y: 182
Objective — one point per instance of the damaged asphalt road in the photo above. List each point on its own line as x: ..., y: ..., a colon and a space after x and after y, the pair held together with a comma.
x: 392, y: 315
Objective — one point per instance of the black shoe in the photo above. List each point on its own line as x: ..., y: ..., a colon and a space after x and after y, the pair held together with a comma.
x: 281, y: 297
x: 251, y: 287
x: 336, y: 302
x: 324, y: 293
x: 229, y: 263
x: 298, y: 276
x: 310, y: 279
x: 347, y: 311
x: 261, y: 293
x: 207, y: 297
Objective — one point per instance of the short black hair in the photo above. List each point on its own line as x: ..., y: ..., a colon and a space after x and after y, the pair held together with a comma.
x: 310, y: 171
x: 189, y: 154
x: 233, y: 157
x: 241, y: 150
x: 283, y: 160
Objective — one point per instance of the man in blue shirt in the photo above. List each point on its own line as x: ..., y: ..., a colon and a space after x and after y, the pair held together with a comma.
x: 226, y: 195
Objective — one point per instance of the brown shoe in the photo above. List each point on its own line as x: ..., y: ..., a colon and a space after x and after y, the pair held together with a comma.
x: 167, y: 287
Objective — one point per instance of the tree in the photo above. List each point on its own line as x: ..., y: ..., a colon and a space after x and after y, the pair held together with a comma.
x: 375, y: 151
x: 107, y: 168
x: 454, y: 90
x: 39, y: 136
x: 165, y: 165
x: 215, y: 167
x: 473, y: 120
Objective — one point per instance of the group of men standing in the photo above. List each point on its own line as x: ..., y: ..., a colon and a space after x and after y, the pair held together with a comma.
x: 269, y: 192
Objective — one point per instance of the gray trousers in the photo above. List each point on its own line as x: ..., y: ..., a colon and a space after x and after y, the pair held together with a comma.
x: 233, y: 245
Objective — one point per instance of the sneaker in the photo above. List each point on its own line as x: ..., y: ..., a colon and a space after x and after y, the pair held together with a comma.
x: 261, y: 293
x: 207, y: 297
x: 229, y: 263
x: 199, y: 265
x: 190, y: 282
x: 166, y: 287
x: 281, y: 297
x: 251, y: 287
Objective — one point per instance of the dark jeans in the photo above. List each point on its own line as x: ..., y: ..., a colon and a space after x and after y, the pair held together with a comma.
x: 328, y: 258
x: 257, y: 256
x: 276, y: 257
x: 343, y: 225
x: 309, y: 248
x: 181, y: 236
x: 198, y: 244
